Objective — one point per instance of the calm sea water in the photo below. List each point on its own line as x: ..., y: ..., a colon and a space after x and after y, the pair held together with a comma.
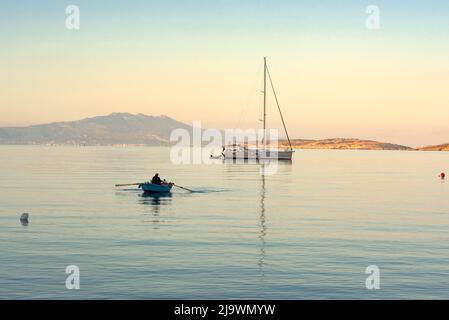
x: 308, y: 231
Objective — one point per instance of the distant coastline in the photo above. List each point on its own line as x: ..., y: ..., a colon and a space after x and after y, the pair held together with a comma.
x: 441, y: 147
x: 325, y: 144
x: 344, y: 144
x: 297, y: 144
x: 125, y: 129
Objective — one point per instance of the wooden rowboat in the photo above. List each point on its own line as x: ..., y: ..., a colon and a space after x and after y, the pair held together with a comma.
x: 148, y: 187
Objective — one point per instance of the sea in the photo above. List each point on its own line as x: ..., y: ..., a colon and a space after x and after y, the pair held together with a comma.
x: 331, y: 224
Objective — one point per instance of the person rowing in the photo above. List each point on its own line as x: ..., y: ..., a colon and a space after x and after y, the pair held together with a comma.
x: 156, y: 179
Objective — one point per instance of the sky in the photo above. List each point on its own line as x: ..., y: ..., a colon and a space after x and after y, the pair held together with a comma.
x: 203, y: 60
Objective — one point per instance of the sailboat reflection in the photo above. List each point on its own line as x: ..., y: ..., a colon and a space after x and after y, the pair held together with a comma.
x: 155, y: 202
x: 263, y: 226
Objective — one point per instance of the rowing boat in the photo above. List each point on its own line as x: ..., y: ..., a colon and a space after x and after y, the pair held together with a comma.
x: 148, y: 187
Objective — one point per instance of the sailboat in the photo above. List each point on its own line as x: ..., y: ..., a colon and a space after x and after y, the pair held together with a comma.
x: 261, y: 152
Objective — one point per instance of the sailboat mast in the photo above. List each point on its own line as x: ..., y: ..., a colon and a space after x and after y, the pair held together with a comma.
x: 264, y: 99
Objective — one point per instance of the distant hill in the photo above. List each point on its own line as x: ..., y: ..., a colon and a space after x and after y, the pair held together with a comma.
x: 342, y: 143
x: 113, y: 129
x: 441, y: 147
x: 140, y: 129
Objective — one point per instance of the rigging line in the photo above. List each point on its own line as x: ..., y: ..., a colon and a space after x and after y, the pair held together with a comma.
x: 280, y: 112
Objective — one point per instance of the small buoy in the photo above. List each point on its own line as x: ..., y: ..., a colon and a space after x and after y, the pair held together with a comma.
x: 442, y: 175
x: 24, y: 218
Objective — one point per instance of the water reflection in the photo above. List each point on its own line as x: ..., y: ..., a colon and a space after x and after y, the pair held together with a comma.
x: 266, y: 163
x: 156, y: 202
x: 263, y: 226
x: 270, y: 167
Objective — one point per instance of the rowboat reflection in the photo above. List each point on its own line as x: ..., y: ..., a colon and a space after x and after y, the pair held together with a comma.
x: 155, y: 201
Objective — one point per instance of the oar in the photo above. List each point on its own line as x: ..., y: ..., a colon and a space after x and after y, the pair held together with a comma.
x: 127, y: 184
x: 184, y: 188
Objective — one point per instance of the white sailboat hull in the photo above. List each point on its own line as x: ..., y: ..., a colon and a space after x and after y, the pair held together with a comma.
x: 258, y: 154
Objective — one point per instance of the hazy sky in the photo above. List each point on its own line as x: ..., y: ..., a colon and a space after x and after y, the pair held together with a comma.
x: 202, y: 60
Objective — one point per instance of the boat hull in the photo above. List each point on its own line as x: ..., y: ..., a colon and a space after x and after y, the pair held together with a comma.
x: 156, y: 188
x: 255, y: 154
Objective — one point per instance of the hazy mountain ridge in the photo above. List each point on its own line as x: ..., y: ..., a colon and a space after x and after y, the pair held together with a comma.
x: 140, y: 129
x: 116, y: 128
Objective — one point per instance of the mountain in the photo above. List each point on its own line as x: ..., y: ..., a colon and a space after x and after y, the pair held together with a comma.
x: 140, y: 129
x: 441, y: 147
x: 116, y: 128
x: 342, y: 143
